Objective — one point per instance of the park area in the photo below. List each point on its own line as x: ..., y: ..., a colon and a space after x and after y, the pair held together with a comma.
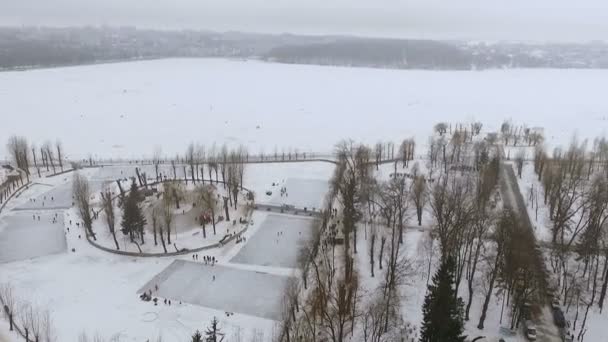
x: 53, y: 267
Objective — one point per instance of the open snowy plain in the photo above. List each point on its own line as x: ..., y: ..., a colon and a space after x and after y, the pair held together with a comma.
x: 126, y: 109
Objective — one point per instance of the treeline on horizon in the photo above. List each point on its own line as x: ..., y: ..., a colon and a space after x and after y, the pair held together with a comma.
x: 29, y: 47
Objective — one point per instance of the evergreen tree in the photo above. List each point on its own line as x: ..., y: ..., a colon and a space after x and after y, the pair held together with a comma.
x: 133, y: 220
x: 212, y: 333
x: 442, y: 309
x: 197, y: 337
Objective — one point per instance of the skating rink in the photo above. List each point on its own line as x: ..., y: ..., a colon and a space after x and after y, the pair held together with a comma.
x: 233, y: 290
x: 22, y: 237
x: 276, y: 242
x: 59, y: 197
x: 301, y: 193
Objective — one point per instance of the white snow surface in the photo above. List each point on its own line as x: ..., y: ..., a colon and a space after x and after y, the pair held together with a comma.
x: 264, y: 105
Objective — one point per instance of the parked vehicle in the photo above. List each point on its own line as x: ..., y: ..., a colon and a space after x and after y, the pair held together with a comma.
x: 558, y: 317
x: 530, y: 330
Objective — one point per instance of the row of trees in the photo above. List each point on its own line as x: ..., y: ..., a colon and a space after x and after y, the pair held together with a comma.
x: 33, y: 323
x: 26, y: 156
x: 575, y: 184
x: 477, y: 243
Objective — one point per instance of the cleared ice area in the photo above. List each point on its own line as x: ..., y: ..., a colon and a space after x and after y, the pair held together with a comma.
x: 24, y: 236
x: 233, y: 290
x: 59, y: 197
x: 306, y: 189
x: 301, y: 193
x: 276, y: 242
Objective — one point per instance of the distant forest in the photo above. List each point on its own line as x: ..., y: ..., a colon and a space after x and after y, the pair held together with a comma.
x: 30, y: 47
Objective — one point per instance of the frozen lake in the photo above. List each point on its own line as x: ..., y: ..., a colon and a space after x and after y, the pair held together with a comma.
x: 247, y: 292
x: 22, y: 237
x: 284, y: 106
x: 276, y: 242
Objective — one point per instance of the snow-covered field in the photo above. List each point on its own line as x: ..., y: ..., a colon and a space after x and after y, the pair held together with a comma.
x: 263, y: 105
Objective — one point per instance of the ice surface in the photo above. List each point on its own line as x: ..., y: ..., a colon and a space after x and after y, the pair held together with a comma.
x: 301, y: 193
x: 233, y: 290
x: 143, y: 104
x: 57, y: 197
x: 22, y: 237
x: 276, y: 242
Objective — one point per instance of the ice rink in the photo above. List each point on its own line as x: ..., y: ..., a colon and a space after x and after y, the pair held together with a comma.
x: 59, y: 197
x: 233, y: 290
x: 301, y: 193
x: 276, y: 242
x: 22, y: 237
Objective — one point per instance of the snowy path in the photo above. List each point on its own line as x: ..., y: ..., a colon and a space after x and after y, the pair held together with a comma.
x: 510, y: 192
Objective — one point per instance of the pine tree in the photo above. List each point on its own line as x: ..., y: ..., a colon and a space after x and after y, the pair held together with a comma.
x: 197, y: 337
x: 442, y: 309
x: 133, y: 220
x: 213, y: 331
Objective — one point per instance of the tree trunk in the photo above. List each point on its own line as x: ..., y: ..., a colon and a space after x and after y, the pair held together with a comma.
x: 162, y: 238
x: 154, y: 231
x: 382, y: 241
x: 471, y: 277
x: 169, y: 234
x: 213, y: 221
x: 486, y: 302
x: 115, y: 241
x: 226, y: 209
x: 604, y: 284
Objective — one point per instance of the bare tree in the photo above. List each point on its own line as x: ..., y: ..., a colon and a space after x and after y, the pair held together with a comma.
x: 48, y: 149
x: 209, y: 201
x: 159, y: 214
x: 7, y: 298
x: 156, y: 157
x: 107, y: 203
x: 167, y: 213
x: 419, y: 196
x: 19, y: 151
x: 441, y: 128
x: 60, y: 156
x: 190, y: 158
x: 519, y: 161
x: 82, y: 192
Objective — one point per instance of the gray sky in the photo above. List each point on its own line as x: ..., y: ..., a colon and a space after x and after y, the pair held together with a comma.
x: 554, y: 20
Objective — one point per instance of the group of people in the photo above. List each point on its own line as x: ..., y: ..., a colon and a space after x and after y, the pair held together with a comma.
x: 33, y: 200
x: 206, y: 258
x: 284, y: 192
x: 147, y: 296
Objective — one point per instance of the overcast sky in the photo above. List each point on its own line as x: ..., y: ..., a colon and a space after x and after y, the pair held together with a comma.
x: 552, y: 20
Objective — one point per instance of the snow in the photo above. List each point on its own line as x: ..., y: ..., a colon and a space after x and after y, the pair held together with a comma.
x: 146, y: 103
x: 248, y: 292
x: 276, y: 242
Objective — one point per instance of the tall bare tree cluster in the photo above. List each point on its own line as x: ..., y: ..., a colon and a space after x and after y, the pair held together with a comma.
x: 575, y: 184
x: 81, y: 192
